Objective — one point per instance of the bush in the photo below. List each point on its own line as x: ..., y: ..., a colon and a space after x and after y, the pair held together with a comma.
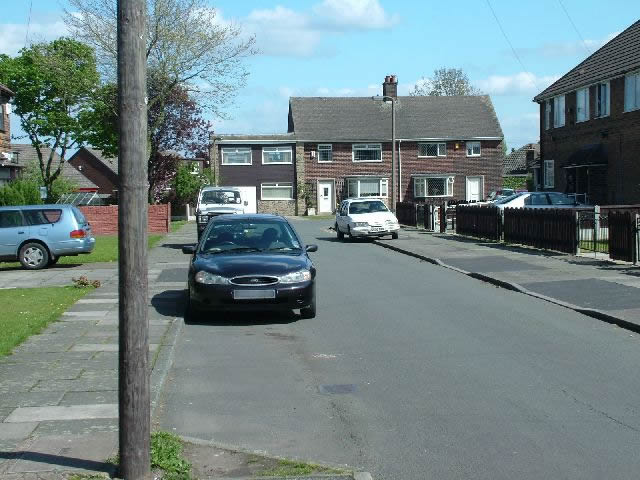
x: 20, y: 192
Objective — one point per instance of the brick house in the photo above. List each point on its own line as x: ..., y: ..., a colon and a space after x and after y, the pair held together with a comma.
x: 590, y: 125
x: 98, y: 168
x: 518, y: 164
x: 9, y: 168
x: 448, y: 148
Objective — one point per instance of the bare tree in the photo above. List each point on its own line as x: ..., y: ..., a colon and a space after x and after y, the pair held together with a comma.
x: 446, y: 82
x: 188, y: 44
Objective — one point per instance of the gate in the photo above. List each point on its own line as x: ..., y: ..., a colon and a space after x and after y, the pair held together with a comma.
x: 593, y: 231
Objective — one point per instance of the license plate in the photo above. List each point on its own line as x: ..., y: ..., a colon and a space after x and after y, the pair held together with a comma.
x: 377, y: 229
x: 253, y: 294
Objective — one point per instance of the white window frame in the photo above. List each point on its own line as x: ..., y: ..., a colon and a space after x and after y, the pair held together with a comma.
x: 558, y: 111
x: 383, y: 186
x: 547, y: 114
x: 277, y: 150
x: 582, y: 105
x: 632, y: 91
x: 236, y: 150
x: 549, y: 179
x: 607, y: 98
x: 277, y: 185
x: 472, y: 145
x: 423, y: 181
x: 326, y: 147
x: 365, y: 146
x: 441, y: 149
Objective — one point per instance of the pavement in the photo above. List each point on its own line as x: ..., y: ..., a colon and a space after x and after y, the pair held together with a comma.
x: 597, y: 287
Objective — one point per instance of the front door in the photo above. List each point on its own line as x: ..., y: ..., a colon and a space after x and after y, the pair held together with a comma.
x: 474, y: 189
x: 325, y: 197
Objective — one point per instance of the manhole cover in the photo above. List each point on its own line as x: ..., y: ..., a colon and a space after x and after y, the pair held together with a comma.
x: 337, y: 389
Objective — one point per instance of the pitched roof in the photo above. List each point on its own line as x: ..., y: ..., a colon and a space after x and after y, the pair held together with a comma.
x: 419, y: 117
x: 618, y: 56
x: 242, y: 138
x: 515, y: 163
x: 28, y: 156
x: 110, y: 162
x: 6, y: 90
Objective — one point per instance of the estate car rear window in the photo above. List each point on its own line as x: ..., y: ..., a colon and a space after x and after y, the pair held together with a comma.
x: 42, y: 216
x: 79, y: 216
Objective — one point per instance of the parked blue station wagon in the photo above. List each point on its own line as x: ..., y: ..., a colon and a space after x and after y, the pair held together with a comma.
x: 38, y: 235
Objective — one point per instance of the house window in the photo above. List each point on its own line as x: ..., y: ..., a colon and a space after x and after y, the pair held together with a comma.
x: 432, y: 149
x: 433, y: 186
x: 276, y: 155
x: 276, y: 191
x: 367, y: 152
x: 236, y: 156
x: 367, y: 187
x: 558, y: 111
x: 632, y: 92
x: 547, y: 114
x: 549, y: 173
x: 325, y: 153
x: 602, y: 99
x: 582, y: 104
x: 473, y: 149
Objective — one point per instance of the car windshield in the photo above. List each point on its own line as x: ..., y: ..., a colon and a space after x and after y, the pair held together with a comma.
x: 504, y: 200
x: 260, y: 235
x: 372, y: 206
x: 220, y: 196
x: 561, y: 199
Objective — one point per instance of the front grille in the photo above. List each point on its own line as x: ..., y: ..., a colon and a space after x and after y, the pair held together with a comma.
x: 254, y: 280
x: 206, y: 217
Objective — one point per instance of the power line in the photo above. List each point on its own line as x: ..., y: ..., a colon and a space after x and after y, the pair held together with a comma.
x: 575, y: 28
x: 515, y: 53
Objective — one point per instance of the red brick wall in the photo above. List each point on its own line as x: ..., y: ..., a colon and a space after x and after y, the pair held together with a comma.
x: 619, y: 133
x: 104, y: 220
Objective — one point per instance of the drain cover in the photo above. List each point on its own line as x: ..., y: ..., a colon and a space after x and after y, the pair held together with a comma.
x: 337, y: 389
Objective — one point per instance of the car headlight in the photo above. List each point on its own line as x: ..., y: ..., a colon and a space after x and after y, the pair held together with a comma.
x: 360, y: 224
x: 207, y: 278
x: 203, y: 218
x: 296, y: 277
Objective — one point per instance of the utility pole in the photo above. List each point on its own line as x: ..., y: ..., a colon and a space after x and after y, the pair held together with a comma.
x: 393, y: 153
x: 133, y: 361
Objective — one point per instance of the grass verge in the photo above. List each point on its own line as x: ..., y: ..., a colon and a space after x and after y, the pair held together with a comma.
x: 177, y: 224
x: 599, y: 246
x: 166, y: 455
x: 27, y: 311
x: 290, y: 468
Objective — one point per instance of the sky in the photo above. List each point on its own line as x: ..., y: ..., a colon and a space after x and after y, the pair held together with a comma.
x: 347, y: 47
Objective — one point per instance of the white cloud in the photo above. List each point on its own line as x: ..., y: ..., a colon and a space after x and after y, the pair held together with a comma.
x: 13, y: 35
x: 517, y: 84
x: 561, y: 49
x: 359, y: 14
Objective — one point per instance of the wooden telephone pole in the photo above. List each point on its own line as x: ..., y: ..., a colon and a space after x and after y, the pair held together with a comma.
x: 134, y: 392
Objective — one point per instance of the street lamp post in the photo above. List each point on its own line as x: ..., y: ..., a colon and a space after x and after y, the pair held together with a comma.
x: 387, y: 98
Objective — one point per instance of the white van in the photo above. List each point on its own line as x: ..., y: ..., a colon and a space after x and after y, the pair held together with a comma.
x: 214, y: 201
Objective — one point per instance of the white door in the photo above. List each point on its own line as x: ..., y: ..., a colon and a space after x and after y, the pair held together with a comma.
x: 325, y: 197
x: 248, y: 195
x: 474, y: 189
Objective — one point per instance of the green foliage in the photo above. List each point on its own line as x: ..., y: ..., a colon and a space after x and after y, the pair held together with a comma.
x: 52, y: 83
x: 445, y: 82
x: 304, y: 193
x: 60, y: 186
x: 166, y: 454
x: 187, y: 184
x: 20, y: 192
x: 514, y: 182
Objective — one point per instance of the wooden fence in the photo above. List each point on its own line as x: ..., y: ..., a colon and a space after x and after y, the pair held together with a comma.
x: 478, y: 221
x: 407, y: 213
x: 622, y: 236
x: 550, y: 229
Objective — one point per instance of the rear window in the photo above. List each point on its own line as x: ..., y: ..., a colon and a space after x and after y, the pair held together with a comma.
x: 42, y: 216
x: 79, y: 216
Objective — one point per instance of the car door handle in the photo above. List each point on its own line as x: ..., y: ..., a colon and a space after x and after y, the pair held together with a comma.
x: 20, y: 233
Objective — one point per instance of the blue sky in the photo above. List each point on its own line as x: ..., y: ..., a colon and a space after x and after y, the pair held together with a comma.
x: 346, y: 47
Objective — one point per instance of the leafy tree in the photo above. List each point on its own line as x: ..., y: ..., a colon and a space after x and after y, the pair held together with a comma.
x: 186, y: 185
x: 52, y: 83
x: 20, y: 192
x: 445, y: 82
x: 60, y: 186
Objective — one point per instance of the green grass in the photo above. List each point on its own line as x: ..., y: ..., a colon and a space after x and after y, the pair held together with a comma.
x: 166, y: 454
x: 600, y: 246
x: 27, y: 311
x: 106, y: 250
x: 177, y: 224
x: 290, y: 468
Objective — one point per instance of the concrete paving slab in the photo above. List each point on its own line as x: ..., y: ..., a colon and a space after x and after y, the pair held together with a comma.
x: 88, y: 313
x: 9, y: 431
x: 77, y: 427
x: 72, y: 412
x: 103, y: 347
x: 31, y: 399
x: 97, y: 300
x: 79, y: 385
x: 491, y: 264
x: 89, y: 398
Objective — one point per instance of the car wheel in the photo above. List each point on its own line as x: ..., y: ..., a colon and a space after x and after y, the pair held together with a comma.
x: 339, y: 233
x: 33, y: 256
x: 349, y: 233
x: 310, y: 311
x: 191, y: 314
x: 53, y: 260
x: 394, y: 235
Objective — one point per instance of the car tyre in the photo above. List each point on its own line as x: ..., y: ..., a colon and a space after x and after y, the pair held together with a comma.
x: 33, y: 256
x: 53, y: 260
x: 394, y: 235
x: 191, y: 313
x: 349, y: 233
x: 339, y: 233
x: 310, y: 311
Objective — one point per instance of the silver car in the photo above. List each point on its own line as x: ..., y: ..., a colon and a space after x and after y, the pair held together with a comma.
x: 38, y: 235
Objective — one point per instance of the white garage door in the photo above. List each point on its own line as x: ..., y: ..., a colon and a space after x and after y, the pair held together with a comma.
x: 248, y: 195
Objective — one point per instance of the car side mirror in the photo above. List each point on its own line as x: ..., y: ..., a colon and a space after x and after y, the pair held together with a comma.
x: 311, y: 248
x: 189, y: 249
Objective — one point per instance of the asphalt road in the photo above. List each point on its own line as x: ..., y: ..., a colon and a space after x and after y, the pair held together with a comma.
x: 412, y: 371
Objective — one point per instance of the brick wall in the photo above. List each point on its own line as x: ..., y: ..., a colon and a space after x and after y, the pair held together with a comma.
x: 619, y: 134
x: 5, y: 133
x: 277, y: 207
x: 104, y: 220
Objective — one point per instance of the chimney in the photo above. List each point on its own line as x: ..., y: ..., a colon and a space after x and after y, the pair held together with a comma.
x: 390, y: 86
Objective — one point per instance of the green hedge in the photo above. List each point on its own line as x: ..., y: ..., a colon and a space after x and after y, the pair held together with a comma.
x: 20, y: 192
